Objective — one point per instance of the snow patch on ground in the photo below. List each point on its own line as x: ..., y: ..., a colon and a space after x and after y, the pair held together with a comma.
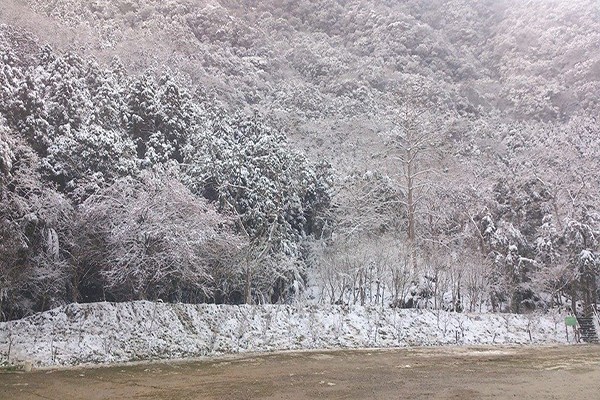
x: 141, y: 330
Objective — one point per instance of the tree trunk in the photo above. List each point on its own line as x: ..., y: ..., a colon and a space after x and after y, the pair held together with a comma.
x: 574, y: 299
x: 410, y: 206
x: 248, y: 287
x: 75, y: 288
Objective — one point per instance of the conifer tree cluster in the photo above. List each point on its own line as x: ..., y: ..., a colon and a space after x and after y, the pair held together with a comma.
x: 118, y: 187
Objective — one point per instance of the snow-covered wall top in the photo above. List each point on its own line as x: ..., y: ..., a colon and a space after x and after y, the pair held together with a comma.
x: 120, y: 332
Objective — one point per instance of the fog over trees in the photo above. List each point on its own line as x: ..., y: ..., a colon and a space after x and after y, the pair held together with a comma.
x: 431, y: 154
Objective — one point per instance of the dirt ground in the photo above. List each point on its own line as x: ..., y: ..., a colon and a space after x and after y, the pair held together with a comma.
x: 441, y: 373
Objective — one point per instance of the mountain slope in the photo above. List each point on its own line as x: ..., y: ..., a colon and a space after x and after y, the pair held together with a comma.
x: 327, y: 71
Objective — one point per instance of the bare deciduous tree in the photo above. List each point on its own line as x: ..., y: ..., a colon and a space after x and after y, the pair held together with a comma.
x: 152, y: 238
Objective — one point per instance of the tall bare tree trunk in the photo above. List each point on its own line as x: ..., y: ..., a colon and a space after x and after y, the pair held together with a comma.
x: 410, y: 206
x: 574, y: 298
x: 75, y: 288
x: 248, y: 286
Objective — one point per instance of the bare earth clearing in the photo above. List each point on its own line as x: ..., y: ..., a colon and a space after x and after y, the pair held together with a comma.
x: 557, y: 372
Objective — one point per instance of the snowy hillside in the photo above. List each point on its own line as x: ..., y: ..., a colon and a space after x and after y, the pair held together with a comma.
x: 439, y: 154
x: 120, y: 332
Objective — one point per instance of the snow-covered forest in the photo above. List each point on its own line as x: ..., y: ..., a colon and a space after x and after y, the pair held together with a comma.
x: 439, y: 154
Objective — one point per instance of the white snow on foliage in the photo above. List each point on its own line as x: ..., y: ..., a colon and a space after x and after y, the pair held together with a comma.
x: 141, y: 330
